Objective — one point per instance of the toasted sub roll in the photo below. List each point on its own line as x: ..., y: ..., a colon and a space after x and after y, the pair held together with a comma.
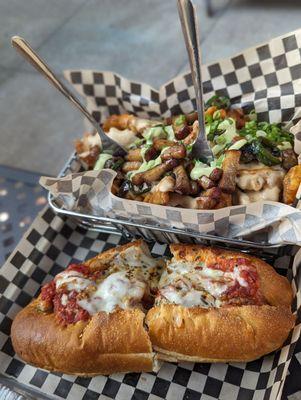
x: 227, y: 332
x: 114, y: 312
x: 107, y: 342
x: 218, y: 334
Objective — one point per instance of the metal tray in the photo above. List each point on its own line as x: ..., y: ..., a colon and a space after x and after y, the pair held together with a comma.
x: 132, y: 229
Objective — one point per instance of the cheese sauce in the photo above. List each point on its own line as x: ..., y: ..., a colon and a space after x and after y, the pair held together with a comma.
x: 140, y: 124
x: 125, y: 137
x: 166, y: 184
x: 258, y: 182
x: 256, y: 179
x: 269, y: 194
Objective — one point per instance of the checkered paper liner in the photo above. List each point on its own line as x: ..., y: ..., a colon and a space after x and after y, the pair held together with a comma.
x: 51, y: 243
x: 266, y: 78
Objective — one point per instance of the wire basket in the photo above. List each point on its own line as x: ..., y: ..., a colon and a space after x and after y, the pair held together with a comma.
x: 151, y: 232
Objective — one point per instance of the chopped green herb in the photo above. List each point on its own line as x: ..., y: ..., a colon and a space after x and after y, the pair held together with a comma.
x: 238, y: 145
x: 219, y: 102
x: 180, y: 120
x: 264, y: 155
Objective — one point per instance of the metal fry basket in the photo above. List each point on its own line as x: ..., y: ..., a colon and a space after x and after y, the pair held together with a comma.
x: 151, y: 232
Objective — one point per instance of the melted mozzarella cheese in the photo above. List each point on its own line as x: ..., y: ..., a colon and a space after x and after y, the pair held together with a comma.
x: 237, y: 276
x: 190, y: 284
x: 135, y: 257
x: 128, y: 276
x: 180, y: 267
x: 187, y: 299
x: 72, y: 280
x: 64, y: 299
x: 139, y: 262
x: 211, y: 273
x: 117, y: 290
x: 215, y: 288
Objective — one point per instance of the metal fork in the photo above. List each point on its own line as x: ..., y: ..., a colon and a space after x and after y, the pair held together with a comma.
x: 31, y: 56
x: 201, y: 149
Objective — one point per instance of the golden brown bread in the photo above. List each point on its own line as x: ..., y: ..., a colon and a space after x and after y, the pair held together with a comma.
x: 120, y: 342
x: 218, y: 334
x: 107, y: 343
x: 228, y: 333
x: 103, y: 345
x: 104, y: 258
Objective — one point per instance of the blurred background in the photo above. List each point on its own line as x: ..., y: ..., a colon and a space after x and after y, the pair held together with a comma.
x: 140, y: 39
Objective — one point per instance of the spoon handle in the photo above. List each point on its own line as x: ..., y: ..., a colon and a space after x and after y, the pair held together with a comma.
x: 30, y: 55
x: 27, y: 52
x: 190, y: 29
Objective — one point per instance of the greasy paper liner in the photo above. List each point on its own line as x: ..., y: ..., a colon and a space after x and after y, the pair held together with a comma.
x: 265, y: 78
x: 50, y: 244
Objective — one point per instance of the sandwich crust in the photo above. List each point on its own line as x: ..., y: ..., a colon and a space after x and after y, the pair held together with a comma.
x: 229, y: 333
x: 128, y: 341
x: 217, y: 334
x: 105, y: 344
x: 103, y: 259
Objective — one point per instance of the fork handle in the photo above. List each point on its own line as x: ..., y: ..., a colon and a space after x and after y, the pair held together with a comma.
x: 191, y: 34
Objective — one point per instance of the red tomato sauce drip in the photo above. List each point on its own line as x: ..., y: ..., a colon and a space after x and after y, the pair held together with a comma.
x: 245, y: 295
x: 86, y: 271
x: 71, y: 312
x: 228, y: 264
x: 237, y: 294
x: 48, y: 292
x: 82, y: 269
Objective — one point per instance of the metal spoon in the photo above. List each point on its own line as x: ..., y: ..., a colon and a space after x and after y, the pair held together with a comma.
x: 201, y: 149
x: 30, y: 55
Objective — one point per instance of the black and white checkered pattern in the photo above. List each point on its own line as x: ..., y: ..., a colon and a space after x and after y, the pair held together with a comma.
x: 265, y: 78
x: 51, y: 243
x: 90, y: 193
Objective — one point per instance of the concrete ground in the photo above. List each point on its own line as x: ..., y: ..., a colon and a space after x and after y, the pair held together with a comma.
x: 140, y: 39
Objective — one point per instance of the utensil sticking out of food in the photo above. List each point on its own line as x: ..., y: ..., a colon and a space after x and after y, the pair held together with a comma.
x: 253, y: 160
